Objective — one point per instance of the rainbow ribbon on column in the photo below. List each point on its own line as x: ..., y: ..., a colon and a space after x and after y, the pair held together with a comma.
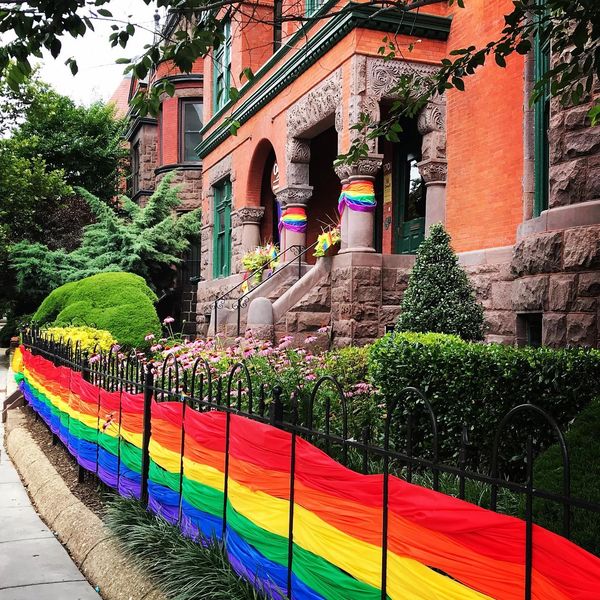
x: 293, y: 219
x: 358, y: 195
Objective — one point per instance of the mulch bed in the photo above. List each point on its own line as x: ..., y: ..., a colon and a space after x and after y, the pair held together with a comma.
x: 92, y: 492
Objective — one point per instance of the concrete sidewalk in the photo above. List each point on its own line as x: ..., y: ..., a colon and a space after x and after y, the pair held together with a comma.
x: 33, y: 563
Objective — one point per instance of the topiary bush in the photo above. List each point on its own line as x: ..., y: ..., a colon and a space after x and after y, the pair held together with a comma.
x: 584, y: 452
x: 439, y: 297
x: 477, y: 384
x: 120, y: 303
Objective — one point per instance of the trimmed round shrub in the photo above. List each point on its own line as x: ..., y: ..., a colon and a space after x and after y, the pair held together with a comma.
x: 584, y: 453
x: 120, y: 303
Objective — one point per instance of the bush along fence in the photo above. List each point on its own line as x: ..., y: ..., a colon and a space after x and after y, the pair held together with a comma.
x: 241, y: 466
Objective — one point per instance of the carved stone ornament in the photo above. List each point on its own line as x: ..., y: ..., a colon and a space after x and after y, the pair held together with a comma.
x: 295, y: 195
x: 315, y: 106
x: 298, y: 150
x: 431, y: 118
x: 220, y: 170
x: 433, y: 170
x: 382, y: 75
x: 251, y: 214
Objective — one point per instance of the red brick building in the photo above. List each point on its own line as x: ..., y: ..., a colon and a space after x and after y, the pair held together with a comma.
x: 517, y: 187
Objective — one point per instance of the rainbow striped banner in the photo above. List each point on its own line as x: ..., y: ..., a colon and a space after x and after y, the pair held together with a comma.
x: 293, y: 219
x: 358, y: 195
x: 439, y: 547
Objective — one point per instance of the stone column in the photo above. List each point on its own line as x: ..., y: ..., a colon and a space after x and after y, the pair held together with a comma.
x: 433, y: 166
x: 251, y: 216
x: 293, y: 197
x: 358, y: 227
x: 434, y: 172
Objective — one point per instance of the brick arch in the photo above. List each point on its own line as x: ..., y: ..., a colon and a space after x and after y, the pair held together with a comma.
x: 262, y: 151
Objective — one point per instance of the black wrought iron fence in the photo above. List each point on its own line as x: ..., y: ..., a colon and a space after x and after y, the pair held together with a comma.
x: 233, y: 393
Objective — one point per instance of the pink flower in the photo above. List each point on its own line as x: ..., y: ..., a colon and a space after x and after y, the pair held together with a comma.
x: 323, y: 329
x: 310, y: 339
x: 149, y: 337
x: 168, y: 320
x: 155, y: 348
x: 95, y: 358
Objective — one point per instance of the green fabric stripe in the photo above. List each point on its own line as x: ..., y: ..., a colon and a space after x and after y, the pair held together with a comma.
x: 323, y: 577
x: 131, y: 456
x: 159, y: 475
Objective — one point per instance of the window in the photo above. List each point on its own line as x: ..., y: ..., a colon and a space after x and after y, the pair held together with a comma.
x: 529, y: 329
x: 135, y: 169
x: 191, y: 123
x: 541, y: 124
x: 222, y: 69
x: 312, y: 6
x: 222, y: 230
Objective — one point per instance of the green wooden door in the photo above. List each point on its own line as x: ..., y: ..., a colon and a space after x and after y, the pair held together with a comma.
x: 409, y: 200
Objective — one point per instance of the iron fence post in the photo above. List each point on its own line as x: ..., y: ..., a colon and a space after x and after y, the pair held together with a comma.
x: 148, y: 385
x: 292, y: 497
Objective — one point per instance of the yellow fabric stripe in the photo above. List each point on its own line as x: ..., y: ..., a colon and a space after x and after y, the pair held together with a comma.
x: 407, y: 578
x: 167, y: 459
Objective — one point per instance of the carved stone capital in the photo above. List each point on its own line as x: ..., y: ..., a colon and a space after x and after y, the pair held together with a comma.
x: 365, y: 167
x: 295, y: 195
x: 433, y: 171
x: 251, y: 214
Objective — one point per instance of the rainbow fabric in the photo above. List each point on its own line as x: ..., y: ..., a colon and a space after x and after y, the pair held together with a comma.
x: 293, y: 219
x: 357, y: 195
x: 337, y: 512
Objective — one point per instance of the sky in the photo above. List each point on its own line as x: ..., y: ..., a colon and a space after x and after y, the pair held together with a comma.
x: 98, y: 75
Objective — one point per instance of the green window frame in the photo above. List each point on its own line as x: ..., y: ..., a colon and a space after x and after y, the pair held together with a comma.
x: 222, y: 69
x: 222, y: 229
x: 312, y: 6
x: 541, y: 115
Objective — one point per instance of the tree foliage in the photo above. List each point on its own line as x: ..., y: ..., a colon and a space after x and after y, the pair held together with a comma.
x: 146, y: 241
x: 85, y: 142
x: 49, y: 145
x: 439, y: 297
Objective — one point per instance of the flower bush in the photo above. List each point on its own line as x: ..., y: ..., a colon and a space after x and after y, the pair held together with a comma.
x: 90, y: 340
x: 262, y: 257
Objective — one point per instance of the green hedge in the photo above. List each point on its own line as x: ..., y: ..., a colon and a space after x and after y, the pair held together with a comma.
x: 584, y: 452
x: 121, y: 303
x: 477, y: 384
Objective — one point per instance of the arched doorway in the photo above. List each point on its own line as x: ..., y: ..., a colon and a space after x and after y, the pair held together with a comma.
x: 261, y: 190
x: 269, y: 227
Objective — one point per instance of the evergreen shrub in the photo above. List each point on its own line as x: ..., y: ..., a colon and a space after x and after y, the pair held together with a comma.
x: 120, y: 303
x: 477, y: 384
x: 439, y: 297
x: 584, y: 453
